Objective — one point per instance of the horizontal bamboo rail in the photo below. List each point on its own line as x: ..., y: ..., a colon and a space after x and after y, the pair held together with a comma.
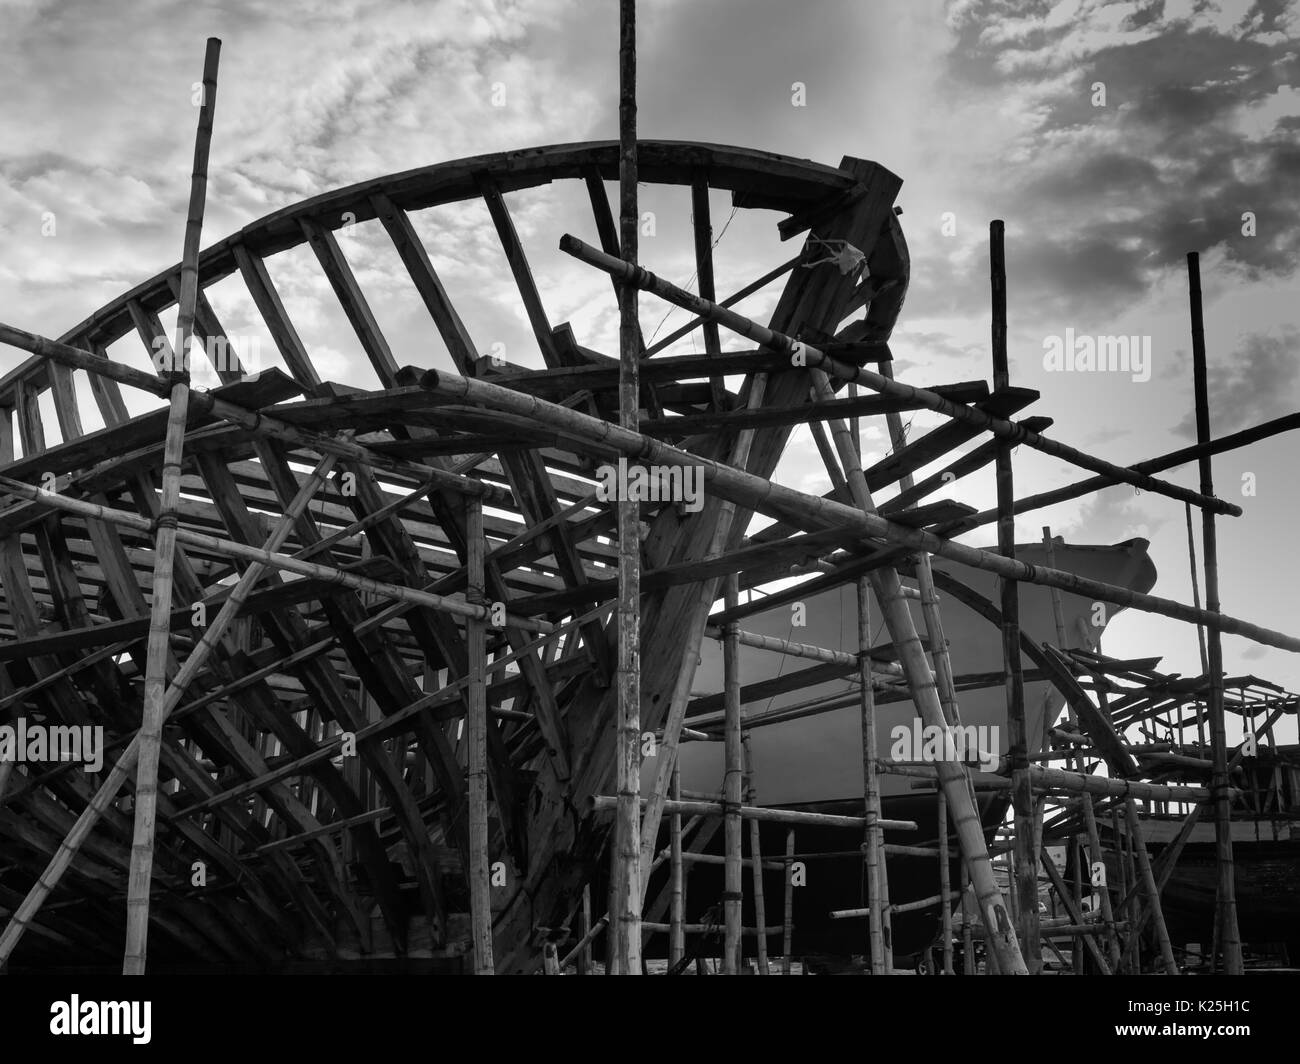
x: 810, y: 356
x: 788, y: 504
x: 604, y: 803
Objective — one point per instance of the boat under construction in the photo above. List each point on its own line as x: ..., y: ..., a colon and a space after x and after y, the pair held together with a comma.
x: 399, y: 676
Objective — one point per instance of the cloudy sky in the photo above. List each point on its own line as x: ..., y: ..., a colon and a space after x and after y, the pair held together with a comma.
x: 1112, y: 137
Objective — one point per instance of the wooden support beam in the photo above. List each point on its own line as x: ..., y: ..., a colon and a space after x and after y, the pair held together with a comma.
x: 476, y: 728
x: 150, y: 738
x: 1229, y: 942
x: 1022, y: 797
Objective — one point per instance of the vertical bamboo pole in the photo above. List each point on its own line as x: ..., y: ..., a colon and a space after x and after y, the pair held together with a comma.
x: 872, y: 848
x: 677, y: 918
x: 945, y: 885
x: 1058, y: 620
x: 583, y: 959
x: 1022, y: 795
x: 476, y: 737
x: 627, y: 879
x: 1226, y: 894
x: 916, y: 666
x: 787, y: 922
x: 1152, y: 891
x: 699, y: 618
x: 967, y: 928
x: 756, y: 860
x: 731, y: 784
x: 155, y: 685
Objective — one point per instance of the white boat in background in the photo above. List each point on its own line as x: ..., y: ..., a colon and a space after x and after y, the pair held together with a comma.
x: 814, y: 761
x: 818, y: 758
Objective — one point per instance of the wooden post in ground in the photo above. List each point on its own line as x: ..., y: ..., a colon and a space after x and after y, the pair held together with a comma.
x: 627, y: 830
x: 584, y: 954
x: 476, y: 737
x: 1022, y: 795
x: 952, y: 776
x: 945, y: 886
x: 731, y: 789
x: 1226, y: 893
x: 155, y: 685
x: 677, y: 905
x: 787, y: 923
x: 1151, y: 889
x: 967, y: 925
x: 756, y: 861
x: 872, y: 848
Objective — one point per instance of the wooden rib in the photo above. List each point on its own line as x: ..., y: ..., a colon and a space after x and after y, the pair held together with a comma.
x: 518, y: 262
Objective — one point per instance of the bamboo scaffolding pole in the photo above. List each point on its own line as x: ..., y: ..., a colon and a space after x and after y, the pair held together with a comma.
x: 584, y: 943
x: 755, y: 857
x: 787, y: 922
x: 604, y: 803
x: 1022, y: 795
x: 1152, y: 891
x: 158, y: 651
x: 627, y: 825
x: 1231, y: 442
x: 476, y: 738
x: 675, y: 718
x: 945, y: 885
x: 185, y: 676
x: 872, y: 856
x: 968, y: 965
x: 938, y: 647
x: 773, y: 499
x: 244, y: 552
x: 731, y: 789
x: 1226, y: 892
x: 806, y: 355
x: 677, y: 903
x: 584, y: 951
x: 952, y: 777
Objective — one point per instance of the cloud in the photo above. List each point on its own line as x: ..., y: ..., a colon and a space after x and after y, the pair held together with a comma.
x: 1259, y: 381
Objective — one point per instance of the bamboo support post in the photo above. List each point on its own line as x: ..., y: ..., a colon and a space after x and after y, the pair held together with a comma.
x: 677, y: 905
x: 1022, y: 795
x: 627, y: 828
x: 476, y: 737
x: 945, y: 885
x: 1151, y: 889
x: 731, y: 789
x: 1226, y: 893
x: 755, y: 858
x: 872, y: 855
x: 155, y: 685
x: 787, y: 923
x: 696, y: 628
x: 967, y: 922
x: 916, y: 664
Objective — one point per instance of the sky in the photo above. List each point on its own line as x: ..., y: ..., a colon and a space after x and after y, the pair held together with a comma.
x: 1112, y: 138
